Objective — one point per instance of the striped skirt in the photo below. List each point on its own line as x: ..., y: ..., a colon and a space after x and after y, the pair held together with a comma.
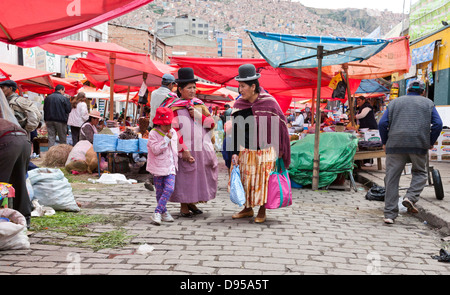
x: 255, y: 168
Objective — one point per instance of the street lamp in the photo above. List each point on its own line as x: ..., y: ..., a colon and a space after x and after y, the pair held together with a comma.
x: 154, y: 38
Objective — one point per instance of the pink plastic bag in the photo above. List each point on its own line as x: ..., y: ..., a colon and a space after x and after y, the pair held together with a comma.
x: 279, y: 188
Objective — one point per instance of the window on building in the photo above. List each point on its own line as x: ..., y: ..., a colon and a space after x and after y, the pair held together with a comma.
x: 94, y: 36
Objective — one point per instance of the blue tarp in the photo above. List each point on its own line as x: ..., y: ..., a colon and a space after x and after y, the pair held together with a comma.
x: 297, y: 51
x: 371, y: 86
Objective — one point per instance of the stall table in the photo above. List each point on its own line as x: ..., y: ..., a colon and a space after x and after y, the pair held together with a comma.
x: 378, y: 154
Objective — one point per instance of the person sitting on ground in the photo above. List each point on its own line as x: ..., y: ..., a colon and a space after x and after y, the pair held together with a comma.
x: 89, y: 128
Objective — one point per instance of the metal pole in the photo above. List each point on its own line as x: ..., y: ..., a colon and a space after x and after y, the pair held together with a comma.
x: 316, y: 163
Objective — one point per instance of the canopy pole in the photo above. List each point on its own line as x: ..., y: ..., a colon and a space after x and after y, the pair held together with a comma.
x: 349, y: 95
x: 112, y: 61
x: 126, y: 105
x: 316, y: 164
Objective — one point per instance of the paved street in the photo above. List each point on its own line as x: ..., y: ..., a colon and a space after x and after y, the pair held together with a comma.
x: 324, y: 232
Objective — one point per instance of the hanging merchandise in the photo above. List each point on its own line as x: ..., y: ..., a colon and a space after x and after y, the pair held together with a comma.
x: 334, y: 82
x: 143, y: 94
x: 394, y: 91
x: 430, y: 73
x: 340, y: 89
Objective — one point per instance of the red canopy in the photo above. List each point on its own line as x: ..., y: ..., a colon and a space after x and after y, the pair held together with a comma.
x: 223, y: 71
x: 27, y: 77
x: 97, y: 72
x: 71, y: 86
x: 30, y: 23
x: 111, y: 54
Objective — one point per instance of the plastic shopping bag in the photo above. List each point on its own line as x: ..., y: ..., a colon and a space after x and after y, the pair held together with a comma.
x: 279, y: 188
x: 237, y: 193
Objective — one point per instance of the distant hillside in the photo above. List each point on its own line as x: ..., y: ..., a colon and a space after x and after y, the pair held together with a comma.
x: 362, y: 19
x: 281, y: 16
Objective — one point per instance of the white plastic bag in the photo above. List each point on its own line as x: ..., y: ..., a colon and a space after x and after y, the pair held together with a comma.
x: 52, y: 189
x: 13, y: 233
x: 113, y: 178
x: 237, y: 193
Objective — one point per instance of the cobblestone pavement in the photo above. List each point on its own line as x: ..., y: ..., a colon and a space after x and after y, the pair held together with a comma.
x: 323, y: 232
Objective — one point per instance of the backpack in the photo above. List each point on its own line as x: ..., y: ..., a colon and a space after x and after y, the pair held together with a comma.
x: 26, y: 113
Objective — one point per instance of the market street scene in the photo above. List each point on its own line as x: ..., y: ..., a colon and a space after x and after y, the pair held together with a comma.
x: 183, y: 137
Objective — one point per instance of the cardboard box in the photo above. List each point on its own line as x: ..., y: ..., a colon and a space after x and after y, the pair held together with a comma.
x: 441, y: 148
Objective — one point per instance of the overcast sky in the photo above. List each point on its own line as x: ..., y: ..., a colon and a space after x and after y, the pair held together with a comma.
x: 392, y: 5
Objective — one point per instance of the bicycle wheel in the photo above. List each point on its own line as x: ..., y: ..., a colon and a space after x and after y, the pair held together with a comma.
x: 437, y: 183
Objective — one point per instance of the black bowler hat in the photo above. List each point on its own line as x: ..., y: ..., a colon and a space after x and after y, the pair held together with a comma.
x: 247, y: 72
x: 186, y: 75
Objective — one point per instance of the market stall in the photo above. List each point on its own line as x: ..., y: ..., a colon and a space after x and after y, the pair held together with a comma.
x: 300, y: 52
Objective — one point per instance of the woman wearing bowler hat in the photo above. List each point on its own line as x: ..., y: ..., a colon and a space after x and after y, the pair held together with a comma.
x: 197, y: 175
x: 252, y: 151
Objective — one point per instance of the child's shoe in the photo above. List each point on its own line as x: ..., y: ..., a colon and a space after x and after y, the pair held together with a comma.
x: 167, y: 217
x: 156, y: 218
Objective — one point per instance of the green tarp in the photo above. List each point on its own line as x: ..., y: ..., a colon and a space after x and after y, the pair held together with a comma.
x: 336, y: 150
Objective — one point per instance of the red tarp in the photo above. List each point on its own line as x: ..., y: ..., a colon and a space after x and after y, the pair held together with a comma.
x: 274, y: 80
x: 211, y: 93
x: 223, y: 70
x: 394, y: 58
x: 71, y: 86
x: 26, y: 76
x: 30, y: 23
x: 97, y: 72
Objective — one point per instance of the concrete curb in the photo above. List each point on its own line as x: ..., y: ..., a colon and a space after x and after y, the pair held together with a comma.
x: 433, y: 215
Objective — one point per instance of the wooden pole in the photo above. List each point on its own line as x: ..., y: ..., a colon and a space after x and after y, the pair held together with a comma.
x: 112, y: 61
x: 316, y: 163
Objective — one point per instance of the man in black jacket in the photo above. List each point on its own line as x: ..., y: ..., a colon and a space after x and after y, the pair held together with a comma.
x: 56, y: 112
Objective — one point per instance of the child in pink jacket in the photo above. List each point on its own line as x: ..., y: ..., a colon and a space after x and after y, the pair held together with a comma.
x: 162, y: 161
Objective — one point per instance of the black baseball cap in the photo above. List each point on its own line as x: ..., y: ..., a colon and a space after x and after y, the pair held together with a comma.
x: 9, y: 83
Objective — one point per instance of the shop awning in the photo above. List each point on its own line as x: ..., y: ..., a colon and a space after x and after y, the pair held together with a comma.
x: 30, y: 23
x: 297, y: 51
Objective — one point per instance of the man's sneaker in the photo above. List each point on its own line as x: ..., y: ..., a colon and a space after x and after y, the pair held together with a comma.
x: 388, y: 221
x: 410, y: 205
x: 167, y: 217
x: 156, y: 218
